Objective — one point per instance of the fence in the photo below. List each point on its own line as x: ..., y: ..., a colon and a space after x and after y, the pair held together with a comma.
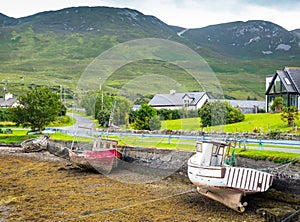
x: 240, y: 140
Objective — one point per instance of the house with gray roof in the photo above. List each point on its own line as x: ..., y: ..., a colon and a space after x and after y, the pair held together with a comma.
x: 286, y: 84
x: 8, y: 101
x: 174, y: 100
x: 246, y: 106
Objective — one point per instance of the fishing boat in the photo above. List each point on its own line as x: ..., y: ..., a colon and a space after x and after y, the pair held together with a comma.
x: 213, y: 169
x: 36, y: 144
x: 103, y: 156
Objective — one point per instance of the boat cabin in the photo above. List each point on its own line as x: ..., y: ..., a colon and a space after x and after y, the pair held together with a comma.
x: 211, y: 153
x: 100, y: 144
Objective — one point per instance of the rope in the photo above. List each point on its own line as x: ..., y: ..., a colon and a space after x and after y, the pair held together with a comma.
x: 286, y: 165
x: 290, y: 216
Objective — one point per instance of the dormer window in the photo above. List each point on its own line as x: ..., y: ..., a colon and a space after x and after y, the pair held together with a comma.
x: 186, y: 102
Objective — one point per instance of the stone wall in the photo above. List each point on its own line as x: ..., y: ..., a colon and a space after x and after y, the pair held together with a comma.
x: 250, y: 135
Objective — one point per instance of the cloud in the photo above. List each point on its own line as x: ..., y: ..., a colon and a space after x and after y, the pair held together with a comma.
x: 286, y: 5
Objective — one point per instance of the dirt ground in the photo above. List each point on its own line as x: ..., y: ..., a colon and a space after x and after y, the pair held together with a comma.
x: 42, y: 187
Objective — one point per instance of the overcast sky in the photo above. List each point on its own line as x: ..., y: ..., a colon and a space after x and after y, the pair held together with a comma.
x: 184, y: 13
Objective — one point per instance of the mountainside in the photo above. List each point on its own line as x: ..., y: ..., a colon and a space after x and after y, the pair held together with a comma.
x: 296, y: 32
x: 55, y: 47
x: 255, y: 39
x: 5, y: 20
x: 99, y: 21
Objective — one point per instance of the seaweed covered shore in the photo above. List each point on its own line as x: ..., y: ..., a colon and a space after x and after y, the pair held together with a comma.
x: 42, y: 187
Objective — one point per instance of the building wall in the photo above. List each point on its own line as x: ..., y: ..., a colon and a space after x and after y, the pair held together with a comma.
x: 203, y: 100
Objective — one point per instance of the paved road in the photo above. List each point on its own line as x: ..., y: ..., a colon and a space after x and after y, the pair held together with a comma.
x: 82, y: 126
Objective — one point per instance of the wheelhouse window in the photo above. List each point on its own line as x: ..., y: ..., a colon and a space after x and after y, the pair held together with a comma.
x: 221, y: 150
x: 199, y: 147
x: 215, y: 149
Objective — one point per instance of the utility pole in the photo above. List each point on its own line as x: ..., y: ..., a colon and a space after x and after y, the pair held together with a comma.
x: 100, y: 87
x: 60, y: 92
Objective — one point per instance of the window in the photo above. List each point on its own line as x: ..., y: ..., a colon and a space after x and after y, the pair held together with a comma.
x: 293, y: 100
x: 221, y: 150
x: 215, y: 149
x: 277, y: 85
x: 199, y: 147
x: 287, y: 81
x: 186, y: 102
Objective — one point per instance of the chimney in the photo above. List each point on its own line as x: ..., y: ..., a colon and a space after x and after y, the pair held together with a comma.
x: 8, y: 96
x: 172, y: 91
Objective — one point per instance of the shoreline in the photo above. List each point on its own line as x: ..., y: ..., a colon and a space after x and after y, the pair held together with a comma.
x: 40, y: 186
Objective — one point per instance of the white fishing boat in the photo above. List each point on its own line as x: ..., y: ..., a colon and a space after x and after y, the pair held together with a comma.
x: 215, y: 173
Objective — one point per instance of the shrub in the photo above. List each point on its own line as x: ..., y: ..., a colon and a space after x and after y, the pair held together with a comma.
x: 274, y: 134
x: 256, y: 130
x: 219, y: 113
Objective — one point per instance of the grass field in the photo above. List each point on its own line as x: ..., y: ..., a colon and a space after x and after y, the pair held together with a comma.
x: 263, y: 122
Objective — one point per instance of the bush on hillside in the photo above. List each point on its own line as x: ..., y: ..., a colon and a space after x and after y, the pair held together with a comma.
x: 219, y: 113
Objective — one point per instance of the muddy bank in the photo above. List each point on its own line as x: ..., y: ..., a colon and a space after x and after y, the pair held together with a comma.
x: 286, y: 176
x: 160, y: 163
x: 43, y: 187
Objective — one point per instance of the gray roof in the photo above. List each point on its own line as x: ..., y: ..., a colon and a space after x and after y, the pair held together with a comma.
x: 175, y: 99
x: 290, y: 78
x: 8, y: 102
x: 247, y: 103
x: 294, y: 73
x: 287, y: 83
x: 244, y: 103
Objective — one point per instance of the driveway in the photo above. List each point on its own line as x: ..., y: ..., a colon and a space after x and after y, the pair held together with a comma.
x: 82, y: 126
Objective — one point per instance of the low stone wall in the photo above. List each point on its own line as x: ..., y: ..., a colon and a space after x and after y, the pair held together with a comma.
x: 250, y: 135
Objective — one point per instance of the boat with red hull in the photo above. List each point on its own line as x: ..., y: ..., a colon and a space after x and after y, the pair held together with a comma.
x: 103, y: 156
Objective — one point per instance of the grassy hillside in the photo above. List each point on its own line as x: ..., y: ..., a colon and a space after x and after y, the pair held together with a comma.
x: 54, y: 48
x: 264, y: 122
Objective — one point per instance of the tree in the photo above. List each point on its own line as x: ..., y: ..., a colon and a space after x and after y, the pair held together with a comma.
x: 4, y: 115
x: 37, y: 108
x: 213, y: 113
x: 143, y: 117
x: 289, y: 114
x: 219, y: 113
x: 233, y: 115
x: 103, y: 117
x: 277, y: 104
x: 155, y: 123
x: 122, y: 108
x: 114, y: 107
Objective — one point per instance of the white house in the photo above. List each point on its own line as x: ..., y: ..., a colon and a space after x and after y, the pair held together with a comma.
x: 8, y: 101
x: 174, y: 100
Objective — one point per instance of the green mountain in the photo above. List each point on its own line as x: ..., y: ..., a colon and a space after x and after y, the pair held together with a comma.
x: 251, y: 39
x: 54, y: 48
x: 296, y: 32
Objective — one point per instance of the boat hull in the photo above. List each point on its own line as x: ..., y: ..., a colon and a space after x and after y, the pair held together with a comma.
x: 104, y: 161
x: 228, y: 184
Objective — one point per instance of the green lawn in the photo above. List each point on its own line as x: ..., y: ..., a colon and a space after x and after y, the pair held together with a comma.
x: 264, y: 122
